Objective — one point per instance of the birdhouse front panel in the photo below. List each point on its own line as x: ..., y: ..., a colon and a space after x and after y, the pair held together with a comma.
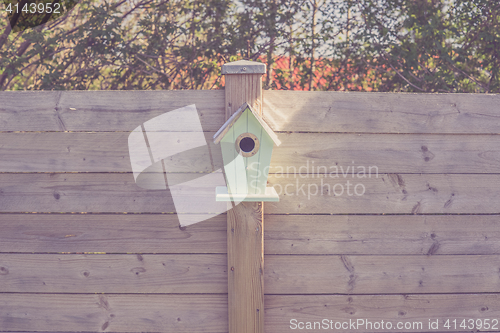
x: 247, y: 144
x: 234, y: 165
x: 247, y: 151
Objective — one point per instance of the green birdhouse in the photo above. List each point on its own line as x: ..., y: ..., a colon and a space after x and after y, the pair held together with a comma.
x: 247, y: 145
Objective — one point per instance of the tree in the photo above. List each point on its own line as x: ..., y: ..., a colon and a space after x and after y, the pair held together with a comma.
x: 363, y: 45
x: 144, y: 44
x: 432, y: 45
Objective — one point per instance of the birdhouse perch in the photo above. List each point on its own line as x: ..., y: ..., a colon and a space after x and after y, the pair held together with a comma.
x: 247, y: 145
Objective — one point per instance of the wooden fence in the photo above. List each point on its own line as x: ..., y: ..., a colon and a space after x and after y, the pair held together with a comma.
x: 83, y: 249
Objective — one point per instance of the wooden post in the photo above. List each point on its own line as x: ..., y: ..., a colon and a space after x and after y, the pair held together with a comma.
x: 245, y: 222
x: 243, y: 84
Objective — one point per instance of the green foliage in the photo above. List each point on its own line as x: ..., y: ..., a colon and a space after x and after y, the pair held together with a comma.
x: 363, y: 45
x: 431, y: 45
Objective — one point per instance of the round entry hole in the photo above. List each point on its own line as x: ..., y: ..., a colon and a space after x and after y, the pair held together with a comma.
x: 247, y: 144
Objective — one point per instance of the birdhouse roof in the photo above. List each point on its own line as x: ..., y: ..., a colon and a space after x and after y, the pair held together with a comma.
x: 232, y: 120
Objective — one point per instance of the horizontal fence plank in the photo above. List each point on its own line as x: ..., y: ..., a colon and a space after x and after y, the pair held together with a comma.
x: 381, y: 274
x: 79, y: 193
x: 280, y: 310
x: 114, y: 313
x: 208, y: 313
x: 103, y: 110
x: 29, y: 111
x: 382, y: 234
x: 296, y: 274
x: 113, y: 273
x: 283, y: 110
x: 283, y: 274
x: 113, y: 233
x: 91, y: 152
x: 340, y: 154
x: 299, y: 153
x: 284, y: 234
x: 385, y: 194
x: 381, y: 112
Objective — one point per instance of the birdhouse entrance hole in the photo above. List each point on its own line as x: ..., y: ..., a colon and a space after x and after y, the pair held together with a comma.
x: 247, y: 144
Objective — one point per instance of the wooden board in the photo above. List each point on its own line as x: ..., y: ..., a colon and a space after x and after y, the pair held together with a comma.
x: 282, y: 274
x: 283, y: 110
x: 382, y: 234
x: 360, y: 112
x: 103, y: 110
x: 318, y: 153
x: 285, y: 234
x: 111, y: 233
x: 245, y: 222
x: 208, y: 313
x: 114, y: 313
x: 245, y: 263
x: 84, y: 192
x: 299, y: 153
x: 394, y: 308
x: 29, y: 111
x: 113, y: 273
x: 387, y: 194
x: 373, y: 274
x: 241, y: 89
x: 91, y: 152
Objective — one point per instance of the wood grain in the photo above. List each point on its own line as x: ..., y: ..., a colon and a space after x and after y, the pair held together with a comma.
x: 29, y: 111
x: 355, y: 112
x: 282, y: 274
x: 283, y: 110
x: 299, y: 153
x: 381, y: 274
x: 382, y: 234
x: 92, y: 152
x: 391, y: 153
x: 244, y: 88
x: 387, y: 194
x: 84, y: 192
x: 112, y: 233
x: 113, y: 273
x: 103, y: 110
x: 114, y: 313
x: 245, y: 262
x: 245, y: 226
x: 394, y: 308
x: 207, y: 313
x: 285, y: 234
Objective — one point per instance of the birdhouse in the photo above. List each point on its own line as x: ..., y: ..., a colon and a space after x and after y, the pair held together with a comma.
x: 247, y: 144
